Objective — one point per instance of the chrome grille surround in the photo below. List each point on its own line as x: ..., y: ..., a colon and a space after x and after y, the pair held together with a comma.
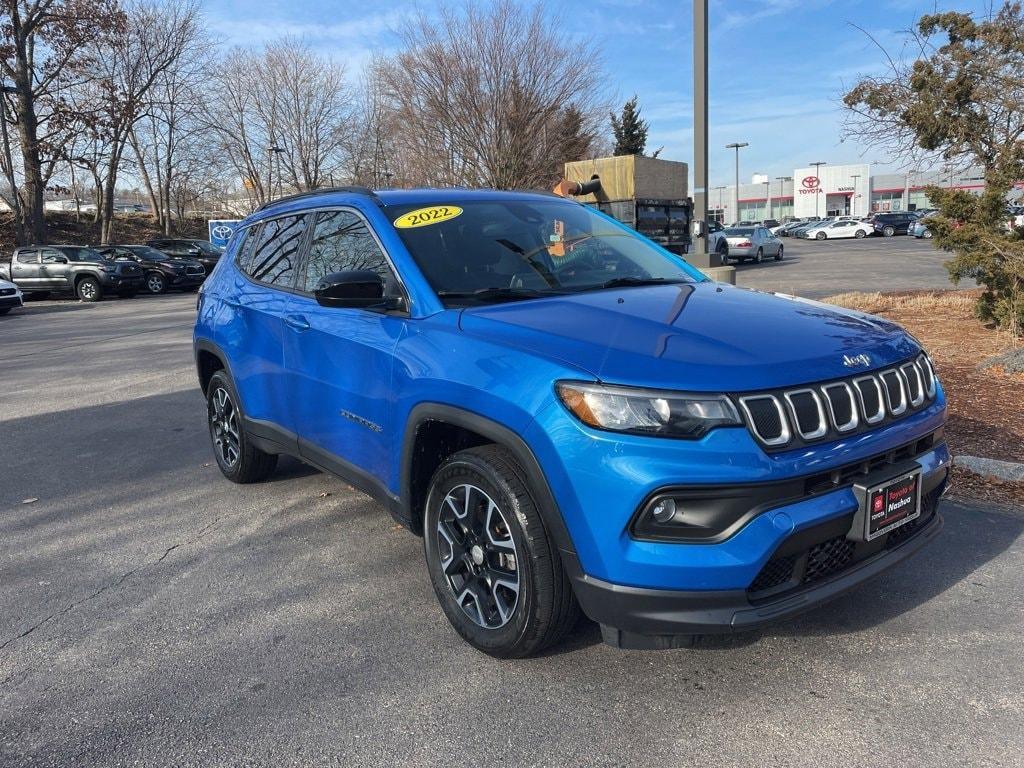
x: 876, y: 417
x: 823, y: 422
x: 784, y: 435
x: 854, y: 421
x: 899, y: 390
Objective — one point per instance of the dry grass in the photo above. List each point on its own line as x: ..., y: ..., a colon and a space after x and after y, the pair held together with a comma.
x: 986, y: 417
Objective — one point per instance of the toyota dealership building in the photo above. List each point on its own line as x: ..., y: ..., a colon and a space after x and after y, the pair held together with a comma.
x: 832, y: 190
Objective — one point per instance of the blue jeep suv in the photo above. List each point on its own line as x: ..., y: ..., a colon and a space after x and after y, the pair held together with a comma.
x: 570, y: 416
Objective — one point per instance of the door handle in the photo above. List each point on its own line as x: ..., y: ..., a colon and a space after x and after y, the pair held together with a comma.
x: 297, y: 323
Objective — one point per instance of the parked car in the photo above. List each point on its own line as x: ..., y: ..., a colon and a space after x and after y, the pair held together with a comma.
x: 889, y: 224
x: 10, y: 296
x: 747, y: 243
x: 786, y: 230
x: 45, y: 269
x: 162, y: 272
x: 920, y: 229
x: 837, y: 229
x: 770, y: 223
x: 203, y: 251
x: 569, y: 415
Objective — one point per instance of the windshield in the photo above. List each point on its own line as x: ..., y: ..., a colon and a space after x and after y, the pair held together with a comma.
x: 146, y: 252
x: 81, y: 254
x: 739, y: 232
x: 486, y: 251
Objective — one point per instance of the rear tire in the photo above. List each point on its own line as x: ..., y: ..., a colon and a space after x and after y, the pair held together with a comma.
x: 89, y: 289
x: 888, y: 231
x: 859, y: 234
x: 927, y: 235
x: 494, y: 568
x: 238, y: 459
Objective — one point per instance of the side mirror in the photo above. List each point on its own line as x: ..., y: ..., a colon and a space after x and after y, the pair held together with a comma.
x: 355, y: 288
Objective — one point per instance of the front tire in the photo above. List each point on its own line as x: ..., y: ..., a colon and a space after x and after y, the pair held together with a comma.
x: 821, y: 236
x: 238, y: 459
x: 89, y: 289
x: 888, y: 231
x: 759, y: 256
x: 156, y: 283
x: 927, y: 234
x: 495, y: 570
x: 778, y: 256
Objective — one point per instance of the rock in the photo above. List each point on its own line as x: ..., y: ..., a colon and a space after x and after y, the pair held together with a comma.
x: 1007, y: 471
x: 1012, y: 361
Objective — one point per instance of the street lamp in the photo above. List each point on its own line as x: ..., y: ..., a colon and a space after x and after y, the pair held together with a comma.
x: 737, y: 145
x: 817, y: 190
x: 277, y: 151
x: 853, y: 197
x: 781, y: 180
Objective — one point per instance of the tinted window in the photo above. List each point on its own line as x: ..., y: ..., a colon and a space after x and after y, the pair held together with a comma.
x: 276, y: 251
x: 341, y: 241
x: 27, y: 257
x: 53, y: 257
x: 739, y: 232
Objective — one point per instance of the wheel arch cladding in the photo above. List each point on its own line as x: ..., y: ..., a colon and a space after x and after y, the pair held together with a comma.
x: 433, y: 425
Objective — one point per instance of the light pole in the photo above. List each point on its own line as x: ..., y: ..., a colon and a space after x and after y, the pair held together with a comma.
x: 700, y: 256
x: 737, y: 145
x: 853, y: 197
x: 817, y: 189
x: 277, y: 151
x: 720, y: 211
x: 768, y: 196
x: 781, y: 180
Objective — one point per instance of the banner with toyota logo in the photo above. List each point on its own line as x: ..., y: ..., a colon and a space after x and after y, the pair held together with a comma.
x: 221, y: 231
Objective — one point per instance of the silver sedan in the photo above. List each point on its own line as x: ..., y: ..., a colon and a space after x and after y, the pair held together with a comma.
x: 743, y: 243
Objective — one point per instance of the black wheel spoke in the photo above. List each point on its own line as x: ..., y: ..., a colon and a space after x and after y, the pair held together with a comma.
x: 478, y: 556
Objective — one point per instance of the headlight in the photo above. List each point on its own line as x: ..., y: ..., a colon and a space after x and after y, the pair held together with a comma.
x: 647, y: 411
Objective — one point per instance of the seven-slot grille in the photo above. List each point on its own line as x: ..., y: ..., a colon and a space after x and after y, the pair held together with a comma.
x: 838, y: 408
x: 194, y: 270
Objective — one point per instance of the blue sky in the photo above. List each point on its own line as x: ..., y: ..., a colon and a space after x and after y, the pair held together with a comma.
x: 778, y: 67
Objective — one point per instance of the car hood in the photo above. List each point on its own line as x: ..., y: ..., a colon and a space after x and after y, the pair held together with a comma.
x: 699, y: 337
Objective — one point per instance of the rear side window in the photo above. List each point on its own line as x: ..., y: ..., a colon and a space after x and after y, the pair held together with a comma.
x: 27, y: 257
x: 342, y: 241
x: 275, y: 251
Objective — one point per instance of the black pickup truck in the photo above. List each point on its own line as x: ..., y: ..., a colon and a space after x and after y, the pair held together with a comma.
x: 44, y: 269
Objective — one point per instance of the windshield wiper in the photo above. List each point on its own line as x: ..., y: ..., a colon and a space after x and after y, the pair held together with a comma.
x: 499, y: 294
x: 629, y: 282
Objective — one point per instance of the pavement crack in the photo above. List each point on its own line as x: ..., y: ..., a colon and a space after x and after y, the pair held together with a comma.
x: 112, y: 585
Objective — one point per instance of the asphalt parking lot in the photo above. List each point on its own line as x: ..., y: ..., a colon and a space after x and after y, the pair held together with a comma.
x: 816, y: 269
x: 151, y: 613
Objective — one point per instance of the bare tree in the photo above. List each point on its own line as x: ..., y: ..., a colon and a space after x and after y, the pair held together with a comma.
x: 155, y: 38
x: 283, y: 116
x: 483, y: 95
x: 44, y: 51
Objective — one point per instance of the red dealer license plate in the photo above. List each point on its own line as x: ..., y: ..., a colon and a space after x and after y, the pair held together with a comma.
x: 893, y: 503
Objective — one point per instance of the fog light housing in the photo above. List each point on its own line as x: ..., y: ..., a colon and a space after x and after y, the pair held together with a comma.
x: 664, y: 510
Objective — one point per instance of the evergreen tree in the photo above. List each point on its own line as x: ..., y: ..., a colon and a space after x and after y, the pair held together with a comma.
x: 629, y: 130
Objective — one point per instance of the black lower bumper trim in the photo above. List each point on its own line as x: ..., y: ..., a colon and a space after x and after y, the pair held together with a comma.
x: 633, y: 617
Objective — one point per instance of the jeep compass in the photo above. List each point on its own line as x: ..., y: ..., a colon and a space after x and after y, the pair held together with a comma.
x: 570, y: 416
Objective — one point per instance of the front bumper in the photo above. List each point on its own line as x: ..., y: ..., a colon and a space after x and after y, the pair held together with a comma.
x: 637, y: 618
x: 7, y: 302
x: 119, y: 283
x: 185, y: 281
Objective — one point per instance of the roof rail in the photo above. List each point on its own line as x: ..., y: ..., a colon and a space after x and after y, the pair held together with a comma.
x: 320, y: 190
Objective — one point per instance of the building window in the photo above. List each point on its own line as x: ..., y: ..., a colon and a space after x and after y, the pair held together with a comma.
x: 887, y: 201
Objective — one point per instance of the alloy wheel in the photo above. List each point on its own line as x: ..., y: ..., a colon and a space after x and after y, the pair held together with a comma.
x: 155, y: 284
x: 478, y: 556
x: 87, y: 290
x: 224, y: 427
